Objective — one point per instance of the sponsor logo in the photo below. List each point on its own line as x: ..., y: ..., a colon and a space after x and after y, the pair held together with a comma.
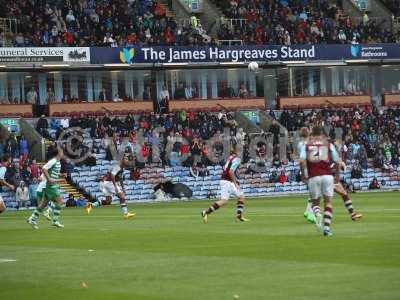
x: 77, y: 54
x: 126, y: 55
x: 355, y: 50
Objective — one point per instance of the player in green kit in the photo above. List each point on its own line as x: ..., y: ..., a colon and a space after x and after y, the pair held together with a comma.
x: 49, y: 190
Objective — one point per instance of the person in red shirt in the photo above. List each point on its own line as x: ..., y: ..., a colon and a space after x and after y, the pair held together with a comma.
x: 282, y: 178
x: 34, y: 168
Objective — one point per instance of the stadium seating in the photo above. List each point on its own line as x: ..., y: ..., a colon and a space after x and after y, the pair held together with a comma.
x: 295, y: 22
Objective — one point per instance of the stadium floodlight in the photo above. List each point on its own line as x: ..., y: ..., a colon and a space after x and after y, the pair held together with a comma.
x: 55, y: 65
x: 3, y: 66
x: 117, y: 65
x: 294, y: 62
x: 356, y: 61
x: 176, y: 64
x: 232, y: 63
x: 328, y: 64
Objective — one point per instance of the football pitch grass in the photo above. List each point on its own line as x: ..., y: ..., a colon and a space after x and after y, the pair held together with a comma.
x: 166, y: 252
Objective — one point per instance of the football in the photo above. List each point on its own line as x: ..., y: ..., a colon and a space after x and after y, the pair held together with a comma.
x: 253, y: 66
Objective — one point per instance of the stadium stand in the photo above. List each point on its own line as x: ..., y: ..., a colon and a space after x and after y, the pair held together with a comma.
x: 295, y: 22
x: 95, y: 23
x: 370, y: 141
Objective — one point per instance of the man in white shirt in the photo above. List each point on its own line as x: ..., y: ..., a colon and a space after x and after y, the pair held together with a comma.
x: 22, y: 195
x: 31, y: 96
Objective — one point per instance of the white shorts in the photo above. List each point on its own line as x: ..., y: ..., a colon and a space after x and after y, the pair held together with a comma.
x: 228, y: 188
x: 108, y: 188
x: 321, y: 186
x: 2, y: 205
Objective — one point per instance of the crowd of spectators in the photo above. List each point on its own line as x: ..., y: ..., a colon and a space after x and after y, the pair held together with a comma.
x: 296, y: 22
x: 23, y: 173
x: 97, y: 23
x: 393, y: 5
x: 368, y: 135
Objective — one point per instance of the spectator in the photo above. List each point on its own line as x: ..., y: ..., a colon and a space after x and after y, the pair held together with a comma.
x: 282, y: 177
x: 135, y: 174
x: 163, y: 100
x: 179, y: 92
x: 22, y: 195
x: 103, y: 95
x: 32, y: 96
x: 33, y: 191
x: 147, y: 93
x: 194, y: 171
x: 50, y: 96
x: 42, y: 126
x: 71, y: 201
x: 273, y: 178
x: 23, y: 146
x: 356, y: 171
x: 243, y: 93
x: 276, y: 162
x: 374, y: 185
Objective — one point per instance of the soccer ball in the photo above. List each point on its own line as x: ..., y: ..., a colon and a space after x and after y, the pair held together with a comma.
x: 253, y: 66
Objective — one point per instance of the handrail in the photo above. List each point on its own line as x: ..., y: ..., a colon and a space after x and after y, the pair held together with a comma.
x: 192, y: 6
x: 232, y: 21
x: 230, y: 42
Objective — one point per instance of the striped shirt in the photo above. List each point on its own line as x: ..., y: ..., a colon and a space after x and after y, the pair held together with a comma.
x: 53, y: 167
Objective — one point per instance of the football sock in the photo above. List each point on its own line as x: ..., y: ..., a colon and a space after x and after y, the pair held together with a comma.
x: 56, y: 212
x: 327, y: 218
x: 316, y: 210
x: 124, y: 208
x: 36, y: 213
x: 212, y: 208
x: 239, y: 207
x: 309, y: 206
x: 348, y: 203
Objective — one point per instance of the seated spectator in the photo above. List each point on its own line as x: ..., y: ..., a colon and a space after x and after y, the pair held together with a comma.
x: 81, y: 201
x: 356, y: 171
x: 379, y: 160
x: 194, y: 171
x: 135, y: 174
x: 374, y: 185
x: 395, y: 160
x: 22, y: 195
x: 276, y: 162
x: 273, y: 178
x: 71, y: 201
x: 282, y: 177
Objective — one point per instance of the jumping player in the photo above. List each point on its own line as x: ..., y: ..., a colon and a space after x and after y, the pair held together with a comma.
x: 338, y: 187
x: 308, y: 213
x: 112, y: 185
x: 5, y: 162
x: 229, y: 186
x: 316, y: 157
x: 49, y: 190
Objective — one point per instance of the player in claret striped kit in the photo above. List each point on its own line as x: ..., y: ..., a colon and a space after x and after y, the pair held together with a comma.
x: 229, y: 185
x: 316, y: 157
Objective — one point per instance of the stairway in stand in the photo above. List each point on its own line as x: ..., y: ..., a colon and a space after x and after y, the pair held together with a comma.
x: 66, y: 187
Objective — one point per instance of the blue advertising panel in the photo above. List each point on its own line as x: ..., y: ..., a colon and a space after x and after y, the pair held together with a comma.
x: 148, y: 54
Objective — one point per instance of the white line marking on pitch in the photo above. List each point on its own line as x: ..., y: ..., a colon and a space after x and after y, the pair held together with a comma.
x: 4, y: 260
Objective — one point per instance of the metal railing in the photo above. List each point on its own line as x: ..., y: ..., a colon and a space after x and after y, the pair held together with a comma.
x: 363, y: 5
x: 230, y: 42
x: 232, y: 23
x: 194, y: 6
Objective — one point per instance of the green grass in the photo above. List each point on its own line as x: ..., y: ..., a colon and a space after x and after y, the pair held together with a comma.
x: 167, y: 253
